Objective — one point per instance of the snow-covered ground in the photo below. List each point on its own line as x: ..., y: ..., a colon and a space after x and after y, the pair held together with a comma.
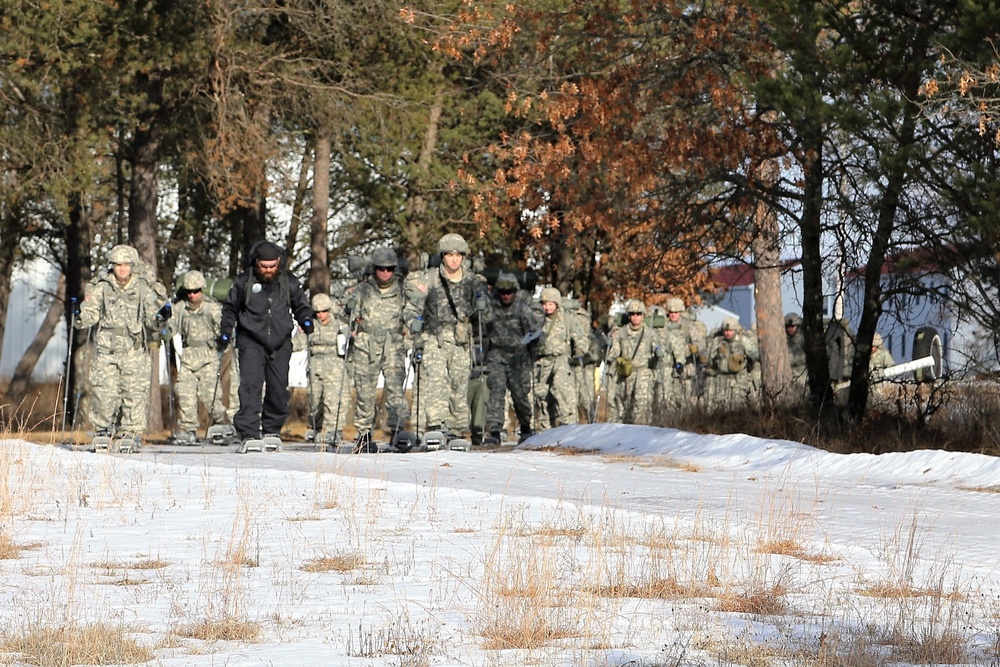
x: 589, y: 545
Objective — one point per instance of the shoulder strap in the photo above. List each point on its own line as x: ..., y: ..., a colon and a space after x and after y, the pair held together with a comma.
x: 635, y: 349
x: 447, y: 293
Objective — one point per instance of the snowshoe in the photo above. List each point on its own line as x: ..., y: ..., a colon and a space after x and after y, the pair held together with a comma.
x: 404, y: 441
x: 434, y: 440
x: 250, y: 445
x: 459, y: 444
x: 222, y: 434
x: 272, y: 442
x: 100, y: 443
x: 128, y: 444
x: 184, y: 438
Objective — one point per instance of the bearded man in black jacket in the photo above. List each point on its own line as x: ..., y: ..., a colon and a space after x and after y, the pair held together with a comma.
x: 261, y: 305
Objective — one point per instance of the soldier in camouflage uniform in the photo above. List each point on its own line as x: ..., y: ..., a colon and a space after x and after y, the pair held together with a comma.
x: 446, y: 313
x: 677, y: 333
x: 636, y: 351
x: 125, y: 308
x: 731, y: 352
x: 582, y: 362
x: 508, y: 362
x: 554, y: 384
x: 796, y: 348
x: 376, y: 305
x: 329, y: 384
x: 197, y: 323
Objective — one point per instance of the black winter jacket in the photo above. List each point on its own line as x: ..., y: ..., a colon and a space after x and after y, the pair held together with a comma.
x: 265, y: 314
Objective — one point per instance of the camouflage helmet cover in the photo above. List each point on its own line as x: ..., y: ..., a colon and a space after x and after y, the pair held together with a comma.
x: 792, y: 320
x: 321, y: 302
x: 385, y: 257
x: 123, y: 254
x: 193, y: 280
x: 507, y: 281
x: 453, y: 243
x: 675, y: 305
x: 877, y: 340
x: 551, y: 294
x: 635, y: 306
x: 730, y: 324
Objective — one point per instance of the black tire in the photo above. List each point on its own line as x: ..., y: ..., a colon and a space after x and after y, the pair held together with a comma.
x: 927, y: 343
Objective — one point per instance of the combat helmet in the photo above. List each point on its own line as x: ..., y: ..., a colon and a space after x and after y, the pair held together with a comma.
x: 321, y: 302
x: 551, y: 294
x: 124, y: 254
x: 453, y: 243
x: 193, y: 281
x: 385, y: 257
x: 635, y: 306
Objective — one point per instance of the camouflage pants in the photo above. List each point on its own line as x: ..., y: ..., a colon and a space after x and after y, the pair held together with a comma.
x: 199, y: 382
x: 634, y: 397
x: 365, y: 369
x: 329, y: 392
x: 554, y: 385
x: 586, y: 394
x: 511, y: 372
x: 119, y: 385
x: 729, y: 391
x: 444, y: 385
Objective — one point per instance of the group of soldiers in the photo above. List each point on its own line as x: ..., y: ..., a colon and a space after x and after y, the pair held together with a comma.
x: 473, y: 354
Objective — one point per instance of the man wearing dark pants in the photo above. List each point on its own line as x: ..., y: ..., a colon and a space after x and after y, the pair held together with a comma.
x: 261, y: 304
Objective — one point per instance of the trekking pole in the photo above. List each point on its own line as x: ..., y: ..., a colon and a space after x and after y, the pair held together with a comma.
x: 69, y: 360
x: 215, y: 390
x: 309, y: 388
x: 167, y: 347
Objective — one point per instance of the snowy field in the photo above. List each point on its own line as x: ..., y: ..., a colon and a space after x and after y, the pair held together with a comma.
x: 589, y: 545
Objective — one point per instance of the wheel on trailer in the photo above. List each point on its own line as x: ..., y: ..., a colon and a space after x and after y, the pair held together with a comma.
x: 927, y: 343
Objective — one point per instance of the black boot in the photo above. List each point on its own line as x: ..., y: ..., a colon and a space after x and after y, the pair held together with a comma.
x: 493, y: 438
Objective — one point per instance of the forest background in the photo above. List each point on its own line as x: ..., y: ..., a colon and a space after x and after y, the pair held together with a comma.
x: 616, y: 148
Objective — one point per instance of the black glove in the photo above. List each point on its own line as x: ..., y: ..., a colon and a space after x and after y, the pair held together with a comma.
x: 418, y: 351
x: 165, y: 312
x: 308, y: 327
x: 678, y: 370
x: 76, y: 306
x: 222, y: 342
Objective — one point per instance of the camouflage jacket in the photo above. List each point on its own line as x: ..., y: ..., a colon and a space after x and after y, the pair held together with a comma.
x: 378, y: 313
x: 640, y: 345
x: 198, y: 328
x: 559, y: 337
x: 730, y: 357
x: 439, y: 317
x: 508, y: 325
x: 125, y: 315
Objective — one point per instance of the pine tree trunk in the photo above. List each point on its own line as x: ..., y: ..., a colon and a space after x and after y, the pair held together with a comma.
x: 319, y: 273
x: 775, y: 366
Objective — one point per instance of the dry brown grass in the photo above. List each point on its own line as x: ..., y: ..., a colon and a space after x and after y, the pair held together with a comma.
x: 97, y: 644
x: 926, y: 648
x: 894, y: 591
x: 525, y: 631
x: 760, y: 600
x: 655, y: 589
x: 980, y: 489
x: 338, y: 563
x: 10, y: 550
x: 225, y: 629
x: 794, y: 549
